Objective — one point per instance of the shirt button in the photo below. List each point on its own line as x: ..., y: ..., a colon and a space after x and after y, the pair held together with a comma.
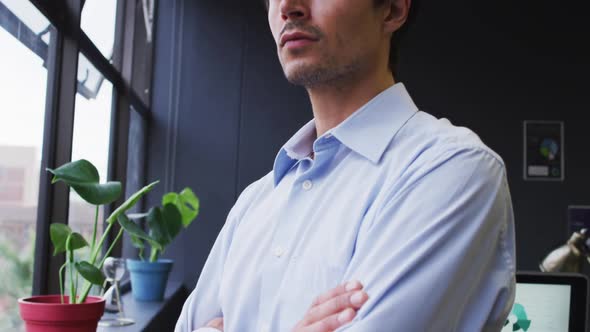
x: 307, y: 184
x: 279, y: 251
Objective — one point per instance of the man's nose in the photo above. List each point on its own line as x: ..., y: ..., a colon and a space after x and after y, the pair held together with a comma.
x: 294, y: 10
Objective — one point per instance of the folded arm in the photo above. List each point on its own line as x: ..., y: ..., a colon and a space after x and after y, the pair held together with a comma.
x: 439, y: 254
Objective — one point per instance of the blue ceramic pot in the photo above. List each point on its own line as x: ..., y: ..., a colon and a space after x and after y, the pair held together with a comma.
x: 148, y: 279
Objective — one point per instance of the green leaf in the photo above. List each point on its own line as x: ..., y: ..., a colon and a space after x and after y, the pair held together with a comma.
x: 134, y: 230
x: 135, y: 216
x: 137, y: 242
x: 172, y: 220
x: 158, y: 232
x: 76, y: 242
x: 80, y: 171
x: 186, y: 202
x: 90, y: 273
x: 130, y: 202
x: 83, y: 177
x: 59, y: 235
x: 97, y: 193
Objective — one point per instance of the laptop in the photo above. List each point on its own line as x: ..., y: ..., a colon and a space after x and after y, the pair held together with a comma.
x: 549, y: 302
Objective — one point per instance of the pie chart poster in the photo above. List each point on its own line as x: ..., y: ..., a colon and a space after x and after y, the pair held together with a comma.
x: 543, y: 149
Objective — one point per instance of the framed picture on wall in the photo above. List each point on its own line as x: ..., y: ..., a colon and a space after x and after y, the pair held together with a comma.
x: 544, y: 157
x: 578, y: 218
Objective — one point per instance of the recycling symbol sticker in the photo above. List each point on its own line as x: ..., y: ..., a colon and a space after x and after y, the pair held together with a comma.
x: 517, y: 320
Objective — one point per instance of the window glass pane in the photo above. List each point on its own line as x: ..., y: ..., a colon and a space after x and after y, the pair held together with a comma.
x: 89, y: 79
x: 98, y: 22
x: 27, y: 13
x: 23, y: 84
x: 92, y: 124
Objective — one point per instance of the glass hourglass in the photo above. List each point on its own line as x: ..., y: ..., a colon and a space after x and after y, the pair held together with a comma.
x: 114, y: 269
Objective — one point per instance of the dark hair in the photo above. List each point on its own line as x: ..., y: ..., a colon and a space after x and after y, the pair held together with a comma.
x: 396, y: 37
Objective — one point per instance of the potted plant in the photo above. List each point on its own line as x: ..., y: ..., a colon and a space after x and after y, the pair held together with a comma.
x: 78, y: 311
x: 149, y: 276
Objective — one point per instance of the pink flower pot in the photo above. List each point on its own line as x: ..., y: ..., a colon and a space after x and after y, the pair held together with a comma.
x: 47, y: 314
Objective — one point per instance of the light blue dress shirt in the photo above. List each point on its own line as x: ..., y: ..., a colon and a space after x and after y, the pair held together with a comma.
x: 415, y: 208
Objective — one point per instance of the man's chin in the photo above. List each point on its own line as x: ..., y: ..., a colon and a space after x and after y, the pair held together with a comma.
x: 304, y: 74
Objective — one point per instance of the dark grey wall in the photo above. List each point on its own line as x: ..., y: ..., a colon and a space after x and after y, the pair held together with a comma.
x: 223, y: 108
x: 490, y: 66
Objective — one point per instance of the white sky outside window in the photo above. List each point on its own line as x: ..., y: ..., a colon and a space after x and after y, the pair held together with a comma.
x: 92, y: 129
x: 21, y: 90
x: 19, y: 81
x: 28, y: 14
x: 98, y: 22
x: 22, y: 94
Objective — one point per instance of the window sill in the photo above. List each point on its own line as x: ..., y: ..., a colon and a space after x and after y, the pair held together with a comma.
x: 148, y: 316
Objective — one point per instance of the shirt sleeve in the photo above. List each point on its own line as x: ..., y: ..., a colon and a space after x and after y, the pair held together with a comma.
x: 439, y: 254
x: 203, y: 303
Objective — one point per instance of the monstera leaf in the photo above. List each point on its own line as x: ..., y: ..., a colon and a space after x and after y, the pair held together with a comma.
x: 135, y: 231
x: 130, y: 202
x: 90, y: 272
x: 83, y: 177
x: 164, y: 224
x: 172, y: 220
x: 60, y: 233
x: 186, y: 202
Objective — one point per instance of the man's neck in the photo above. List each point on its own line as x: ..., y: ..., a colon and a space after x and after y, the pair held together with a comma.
x: 333, y: 103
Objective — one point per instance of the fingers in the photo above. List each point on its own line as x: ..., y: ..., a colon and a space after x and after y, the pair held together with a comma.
x: 216, y: 323
x: 353, y: 300
x: 332, y: 322
x: 334, y: 308
x: 339, y: 290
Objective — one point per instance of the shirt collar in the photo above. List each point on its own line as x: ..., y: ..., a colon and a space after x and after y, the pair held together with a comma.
x: 368, y: 131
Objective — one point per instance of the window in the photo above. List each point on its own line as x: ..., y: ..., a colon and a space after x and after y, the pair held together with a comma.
x: 24, y: 38
x: 98, y: 22
x: 59, y: 105
x: 92, y: 127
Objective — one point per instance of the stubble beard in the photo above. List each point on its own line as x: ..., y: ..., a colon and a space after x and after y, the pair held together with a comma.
x: 325, y: 73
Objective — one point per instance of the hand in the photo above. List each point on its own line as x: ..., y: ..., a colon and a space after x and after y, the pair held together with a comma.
x: 216, y: 323
x: 333, y: 309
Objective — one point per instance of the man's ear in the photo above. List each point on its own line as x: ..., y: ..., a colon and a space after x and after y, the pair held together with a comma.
x: 396, y: 14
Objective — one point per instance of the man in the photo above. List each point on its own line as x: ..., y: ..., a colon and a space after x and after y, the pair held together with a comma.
x: 376, y: 216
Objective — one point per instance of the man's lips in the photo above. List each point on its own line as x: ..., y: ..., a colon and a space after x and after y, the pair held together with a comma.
x: 300, y: 37
x: 297, y: 43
